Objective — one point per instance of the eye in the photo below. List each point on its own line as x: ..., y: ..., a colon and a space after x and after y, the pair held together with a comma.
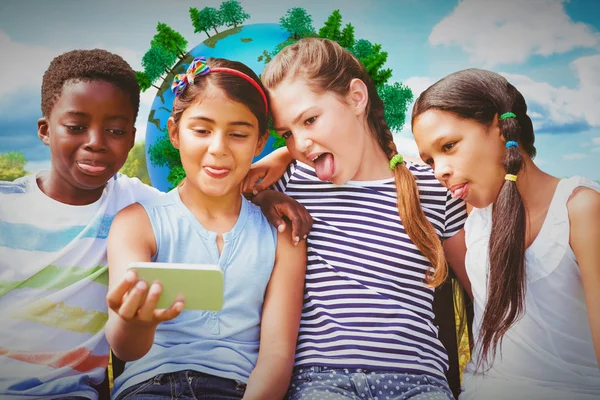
x: 448, y: 146
x: 429, y: 162
x: 239, y: 135
x: 75, y: 128
x: 286, y: 135
x: 201, y: 131
x: 117, y: 132
x: 310, y: 121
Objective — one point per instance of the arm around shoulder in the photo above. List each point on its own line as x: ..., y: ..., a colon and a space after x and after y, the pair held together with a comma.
x: 584, y: 237
x: 280, y: 322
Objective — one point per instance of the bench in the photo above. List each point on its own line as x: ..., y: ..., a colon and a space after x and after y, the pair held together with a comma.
x: 444, y: 309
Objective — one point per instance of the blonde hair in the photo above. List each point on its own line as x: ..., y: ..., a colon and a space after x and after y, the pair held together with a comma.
x: 330, y: 68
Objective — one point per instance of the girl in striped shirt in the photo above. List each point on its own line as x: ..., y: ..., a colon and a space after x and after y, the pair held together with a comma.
x: 383, y: 230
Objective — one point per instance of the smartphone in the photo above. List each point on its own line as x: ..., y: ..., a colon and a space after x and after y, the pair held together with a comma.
x: 199, y: 285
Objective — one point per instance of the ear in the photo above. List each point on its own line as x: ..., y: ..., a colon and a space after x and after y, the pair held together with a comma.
x: 43, y: 131
x: 173, y: 132
x: 132, y: 138
x: 495, y: 129
x: 261, y: 143
x: 358, y: 96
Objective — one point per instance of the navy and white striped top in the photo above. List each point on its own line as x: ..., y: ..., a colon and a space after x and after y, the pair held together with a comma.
x: 365, y: 303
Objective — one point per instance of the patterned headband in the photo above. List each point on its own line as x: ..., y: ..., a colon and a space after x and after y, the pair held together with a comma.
x: 199, y: 67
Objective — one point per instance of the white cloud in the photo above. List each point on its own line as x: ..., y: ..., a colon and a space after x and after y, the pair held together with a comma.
x: 562, y: 105
x: 501, y: 32
x: 596, y: 150
x: 23, y: 64
x: 596, y: 140
x: 552, y: 109
x: 574, y: 156
x: 146, y: 100
x: 418, y: 84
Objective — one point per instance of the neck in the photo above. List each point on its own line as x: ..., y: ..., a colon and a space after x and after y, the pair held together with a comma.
x: 374, y: 163
x: 535, y: 186
x: 210, y: 206
x: 57, y: 188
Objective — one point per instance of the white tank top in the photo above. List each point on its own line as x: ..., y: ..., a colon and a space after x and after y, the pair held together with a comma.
x: 548, y: 353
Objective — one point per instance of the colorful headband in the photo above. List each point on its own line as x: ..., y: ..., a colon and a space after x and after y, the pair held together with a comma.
x: 510, y: 177
x: 511, y: 143
x: 508, y: 115
x: 199, y: 67
x: 397, y: 159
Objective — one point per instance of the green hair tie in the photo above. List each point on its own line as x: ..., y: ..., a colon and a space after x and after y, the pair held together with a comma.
x: 508, y: 115
x: 397, y: 159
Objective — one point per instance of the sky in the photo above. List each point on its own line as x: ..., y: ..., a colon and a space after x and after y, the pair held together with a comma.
x: 548, y: 49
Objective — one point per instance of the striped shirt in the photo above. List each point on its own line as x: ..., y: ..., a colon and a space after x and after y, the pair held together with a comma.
x: 53, y: 284
x: 366, y: 304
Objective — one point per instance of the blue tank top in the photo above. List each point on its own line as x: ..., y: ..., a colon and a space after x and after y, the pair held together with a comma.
x: 223, y: 343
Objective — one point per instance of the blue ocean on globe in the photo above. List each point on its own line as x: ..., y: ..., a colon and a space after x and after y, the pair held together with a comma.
x: 244, y: 43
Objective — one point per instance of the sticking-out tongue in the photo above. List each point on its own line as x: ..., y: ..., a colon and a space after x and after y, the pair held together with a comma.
x: 324, y: 166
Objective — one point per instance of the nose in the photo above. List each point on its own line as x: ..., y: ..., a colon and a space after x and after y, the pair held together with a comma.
x: 302, y: 142
x: 95, y: 140
x: 218, y: 144
x: 442, y: 170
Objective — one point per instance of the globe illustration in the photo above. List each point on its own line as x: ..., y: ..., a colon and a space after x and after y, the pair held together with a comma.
x: 244, y: 43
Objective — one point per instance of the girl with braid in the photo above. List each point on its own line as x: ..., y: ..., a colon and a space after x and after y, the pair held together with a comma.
x: 381, y: 228
x: 533, y: 256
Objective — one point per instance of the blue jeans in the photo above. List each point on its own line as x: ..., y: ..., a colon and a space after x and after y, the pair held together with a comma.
x: 185, y: 385
x: 323, y: 383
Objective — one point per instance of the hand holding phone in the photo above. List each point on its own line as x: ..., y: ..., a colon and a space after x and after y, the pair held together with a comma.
x: 136, y: 301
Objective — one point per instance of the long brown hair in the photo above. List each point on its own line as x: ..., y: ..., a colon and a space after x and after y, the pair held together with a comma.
x: 330, y: 68
x: 483, y: 96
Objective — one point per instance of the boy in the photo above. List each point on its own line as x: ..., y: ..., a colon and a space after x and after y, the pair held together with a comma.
x: 53, y: 229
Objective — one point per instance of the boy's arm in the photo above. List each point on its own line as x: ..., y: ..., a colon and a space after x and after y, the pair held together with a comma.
x: 280, y: 323
x: 132, y: 314
x: 584, y: 236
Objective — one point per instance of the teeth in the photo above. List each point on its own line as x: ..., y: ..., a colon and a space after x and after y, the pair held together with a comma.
x: 315, y: 159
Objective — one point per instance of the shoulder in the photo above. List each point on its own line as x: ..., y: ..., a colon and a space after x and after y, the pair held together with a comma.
x: 257, y: 218
x: 131, y: 189
x: 584, y: 205
x: 18, y: 186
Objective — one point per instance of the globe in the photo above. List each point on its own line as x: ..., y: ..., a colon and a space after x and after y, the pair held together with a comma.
x: 246, y: 44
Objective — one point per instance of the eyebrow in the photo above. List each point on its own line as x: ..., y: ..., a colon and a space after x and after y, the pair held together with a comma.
x: 110, y: 118
x: 434, y: 144
x: 212, y: 121
x: 298, y: 117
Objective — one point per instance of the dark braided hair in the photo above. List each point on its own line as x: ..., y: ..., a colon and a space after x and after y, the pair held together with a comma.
x: 88, y: 65
x: 484, y: 96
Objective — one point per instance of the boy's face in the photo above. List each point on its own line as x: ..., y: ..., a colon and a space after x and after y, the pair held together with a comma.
x: 90, y: 131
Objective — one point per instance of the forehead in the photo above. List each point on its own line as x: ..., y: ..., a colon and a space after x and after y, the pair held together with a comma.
x: 433, y: 124
x: 93, y: 97
x: 215, y: 104
x: 294, y: 95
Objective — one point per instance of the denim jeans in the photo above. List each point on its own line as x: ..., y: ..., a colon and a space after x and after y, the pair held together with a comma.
x: 323, y: 383
x: 185, y: 385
